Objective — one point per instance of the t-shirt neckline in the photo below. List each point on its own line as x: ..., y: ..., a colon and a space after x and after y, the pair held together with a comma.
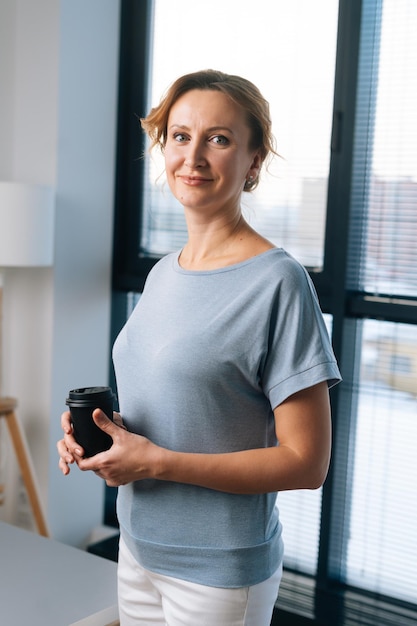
x: 226, y: 268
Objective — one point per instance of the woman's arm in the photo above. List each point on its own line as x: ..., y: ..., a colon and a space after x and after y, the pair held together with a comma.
x: 301, y: 461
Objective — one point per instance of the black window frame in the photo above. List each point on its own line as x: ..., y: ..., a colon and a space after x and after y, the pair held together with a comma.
x: 130, y: 268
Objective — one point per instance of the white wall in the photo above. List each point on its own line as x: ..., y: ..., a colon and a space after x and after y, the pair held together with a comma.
x: 7, y: 85
x: 58, y: 77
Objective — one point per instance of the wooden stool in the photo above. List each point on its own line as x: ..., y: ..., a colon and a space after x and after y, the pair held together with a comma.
x: 17, y: 435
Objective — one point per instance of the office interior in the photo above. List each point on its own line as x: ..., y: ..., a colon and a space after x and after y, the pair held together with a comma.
x: 75, y: 76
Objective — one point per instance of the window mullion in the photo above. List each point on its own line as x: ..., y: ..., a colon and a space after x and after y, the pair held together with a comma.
x: 332, y: 548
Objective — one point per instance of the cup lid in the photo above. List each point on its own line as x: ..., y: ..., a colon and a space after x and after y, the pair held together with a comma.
x: 85, y: 395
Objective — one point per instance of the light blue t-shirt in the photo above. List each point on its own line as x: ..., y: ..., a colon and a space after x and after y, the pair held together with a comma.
x: 200, y: 365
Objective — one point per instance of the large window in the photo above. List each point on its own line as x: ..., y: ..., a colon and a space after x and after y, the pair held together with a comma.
x: 384, y: 509
x: 291, y: 58
x: 341, y: 79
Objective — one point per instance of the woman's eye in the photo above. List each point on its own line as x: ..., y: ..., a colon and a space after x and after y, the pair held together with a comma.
x: 180, y: 137
x: 220, y: 140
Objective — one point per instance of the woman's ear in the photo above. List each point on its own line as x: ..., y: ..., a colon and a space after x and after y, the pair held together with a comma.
x: 255, y: 166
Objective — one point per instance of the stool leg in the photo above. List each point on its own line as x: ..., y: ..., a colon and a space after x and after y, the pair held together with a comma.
x: 23, y: 456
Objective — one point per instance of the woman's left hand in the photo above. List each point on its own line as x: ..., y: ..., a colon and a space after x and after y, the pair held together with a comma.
x: 131, y: 457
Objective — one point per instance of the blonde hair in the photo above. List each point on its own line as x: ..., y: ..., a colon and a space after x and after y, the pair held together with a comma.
x: 244, y: 93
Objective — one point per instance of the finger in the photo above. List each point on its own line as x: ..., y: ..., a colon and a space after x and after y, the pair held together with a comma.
x: 63, y: 467
x: 117, y: 419
x: 104, y: 422
x: 66, y: 422
x: 68, y: 445
x: 64, y: 453
x: 91, y: 463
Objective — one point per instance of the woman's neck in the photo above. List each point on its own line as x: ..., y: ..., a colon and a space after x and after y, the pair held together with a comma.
x: 220, y: 244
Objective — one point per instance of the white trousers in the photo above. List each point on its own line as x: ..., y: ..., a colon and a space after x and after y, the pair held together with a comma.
x: 156, y: 600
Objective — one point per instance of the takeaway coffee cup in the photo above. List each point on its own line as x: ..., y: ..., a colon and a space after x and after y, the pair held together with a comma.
x: 81, y: 403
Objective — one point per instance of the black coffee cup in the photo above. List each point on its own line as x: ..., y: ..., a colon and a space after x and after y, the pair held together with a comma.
x: 81, y: 403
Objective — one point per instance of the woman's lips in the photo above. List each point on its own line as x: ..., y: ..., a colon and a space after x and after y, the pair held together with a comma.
x: 194, y: 181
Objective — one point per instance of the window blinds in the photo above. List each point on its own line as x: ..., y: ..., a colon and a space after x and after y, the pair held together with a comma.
x: 378, y: 501
x: 384, y: 200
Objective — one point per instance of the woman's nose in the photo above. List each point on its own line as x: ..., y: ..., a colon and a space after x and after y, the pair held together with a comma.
x: 195, y: 156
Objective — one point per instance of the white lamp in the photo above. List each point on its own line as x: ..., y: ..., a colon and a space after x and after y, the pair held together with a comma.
x: 26, y: 240
x: 26, y: 230
x: 26, y: 225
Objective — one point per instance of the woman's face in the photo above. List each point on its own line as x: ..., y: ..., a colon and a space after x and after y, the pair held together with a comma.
x: 207, y: 155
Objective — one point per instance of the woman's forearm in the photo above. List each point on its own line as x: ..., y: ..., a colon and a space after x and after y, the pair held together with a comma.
x: 303, y: 428
x: 249, y: 471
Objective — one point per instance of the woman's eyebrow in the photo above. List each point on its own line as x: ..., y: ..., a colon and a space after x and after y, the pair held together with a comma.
x: 211, y: 129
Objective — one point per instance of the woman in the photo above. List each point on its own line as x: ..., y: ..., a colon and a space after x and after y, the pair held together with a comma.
x: 222, y: 372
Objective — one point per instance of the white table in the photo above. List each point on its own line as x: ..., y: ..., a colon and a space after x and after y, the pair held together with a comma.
x: 46, y: 583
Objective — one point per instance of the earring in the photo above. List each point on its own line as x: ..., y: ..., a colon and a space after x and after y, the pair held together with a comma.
x: 248, y: 183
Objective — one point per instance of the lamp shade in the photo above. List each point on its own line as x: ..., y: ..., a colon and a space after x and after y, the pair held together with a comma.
x: 27, y: 215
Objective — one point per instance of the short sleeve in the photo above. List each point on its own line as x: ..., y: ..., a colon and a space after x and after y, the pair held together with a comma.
x: 299, y: 353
